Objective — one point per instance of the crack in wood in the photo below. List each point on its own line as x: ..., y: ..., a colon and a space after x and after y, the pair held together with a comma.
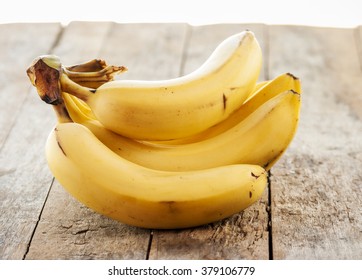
x: 269, y: 210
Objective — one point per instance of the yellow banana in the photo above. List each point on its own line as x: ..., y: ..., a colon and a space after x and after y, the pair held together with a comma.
x: 261, y: 138
x: 285, y: 81
x: 264, y: 91
x: 84, y: 108
x: 87, y: 114
x: 180, y: 107
x: 258, y: 133
x: 258, y: 86
x: 139, y: 196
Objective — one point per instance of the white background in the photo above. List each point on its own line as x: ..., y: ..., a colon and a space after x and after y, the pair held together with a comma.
x: 333, y: 13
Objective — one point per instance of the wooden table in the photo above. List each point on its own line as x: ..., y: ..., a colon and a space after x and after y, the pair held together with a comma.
x: 312, y: 207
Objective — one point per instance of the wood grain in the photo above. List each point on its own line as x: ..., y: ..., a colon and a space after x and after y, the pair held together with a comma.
x: 19, y: 44
x: 24, y: 177
x: 150, y: 51
x: 317, y: 186
x: 81, y: 41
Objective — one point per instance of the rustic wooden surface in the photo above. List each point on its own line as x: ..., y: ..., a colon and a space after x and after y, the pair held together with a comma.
x: 312, y: 207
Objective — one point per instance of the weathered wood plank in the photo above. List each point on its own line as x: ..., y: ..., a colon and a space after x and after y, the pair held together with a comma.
x: 19, y: 44
x: 24, y: 180
x: 67, y: 229
x: 243, y: 236
x: 150, y: 51
x: 81, y: 41
x: 358, y: 38
x: 317, y: 186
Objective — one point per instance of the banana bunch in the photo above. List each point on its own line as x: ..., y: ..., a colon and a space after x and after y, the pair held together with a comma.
x: 270, y: 115
x: 173, y: 153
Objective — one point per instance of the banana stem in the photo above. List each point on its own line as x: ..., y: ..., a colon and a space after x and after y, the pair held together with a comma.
x: 96, y: 78
x: 47, y: 75
x: 62, y: 113
x: 93, y: 65
x: 44, y: 74
x: 74, y: 88
x: 108, y: 71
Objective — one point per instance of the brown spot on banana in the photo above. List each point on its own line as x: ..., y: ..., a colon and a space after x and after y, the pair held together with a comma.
x: 58, y: 142
x: 294, y: 92
x: 61, y: 148
x: 224, y: 100
x: 171, y: 205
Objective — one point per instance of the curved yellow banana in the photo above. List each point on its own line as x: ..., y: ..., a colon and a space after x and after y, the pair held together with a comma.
x: 258, y: 133
x: 138, y: 196
x: 261, y: 138
x: 258, y: 86
x: 264, y: 91
x: 85, y: 109
x: 180, y: 107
